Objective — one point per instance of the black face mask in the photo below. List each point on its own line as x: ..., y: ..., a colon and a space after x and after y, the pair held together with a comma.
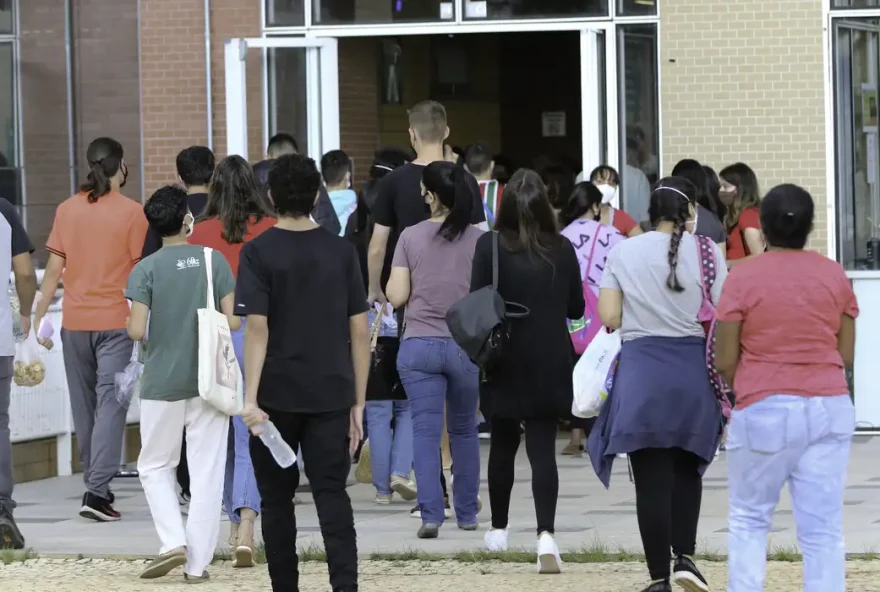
x: 124, y: 175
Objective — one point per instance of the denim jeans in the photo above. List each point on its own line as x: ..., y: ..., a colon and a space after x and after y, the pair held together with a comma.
x: 240, y: 485
x: 804, y: 441
x: 390, y: 455
x: 435, y: 373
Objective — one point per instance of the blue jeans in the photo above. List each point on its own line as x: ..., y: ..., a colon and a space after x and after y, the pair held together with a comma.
x: 805, y: 442
x: 390, y: 455
x: 436, y: 373
x: 240, y: 485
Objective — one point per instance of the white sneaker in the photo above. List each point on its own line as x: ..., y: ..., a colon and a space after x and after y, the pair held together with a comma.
x: 549, y: 561
x: 496, y: 540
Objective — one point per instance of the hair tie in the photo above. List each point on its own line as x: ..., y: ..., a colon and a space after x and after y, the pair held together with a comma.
x: 672, y: 189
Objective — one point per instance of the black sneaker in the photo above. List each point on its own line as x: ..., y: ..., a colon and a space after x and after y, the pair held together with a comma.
x: 10, y: 536
x: 484, y: 431
x: 111, y: 496
x: 659, y: 587
x: 686, y: 575
x: 98, y: 509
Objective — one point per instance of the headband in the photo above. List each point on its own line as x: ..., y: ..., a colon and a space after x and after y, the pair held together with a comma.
x: 672, y: 189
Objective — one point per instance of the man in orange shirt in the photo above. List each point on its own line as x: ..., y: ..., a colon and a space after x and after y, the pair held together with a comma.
x: 96, y: 239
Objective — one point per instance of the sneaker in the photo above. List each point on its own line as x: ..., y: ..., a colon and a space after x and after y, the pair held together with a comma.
x: 403, y: 487
x: 463, y: 526
x: 686, y: 575
x: 98, y: 509
x: 364, y: 471
x: 10, y: 536
x: 484, y: 431
x: 496, y: 540
x: 549, y: 561
x: 111, y: 496
x: 188, y: 579
x: 428, y: 531
x: 163, y: 564
x: 661, y: 586
x: 383, y: 499
x: 416, y: 512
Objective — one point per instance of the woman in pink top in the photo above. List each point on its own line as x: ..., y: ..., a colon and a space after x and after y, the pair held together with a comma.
x: 786, y: 332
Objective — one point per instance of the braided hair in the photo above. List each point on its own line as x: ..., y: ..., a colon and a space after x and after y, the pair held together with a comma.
x: 670, y: 202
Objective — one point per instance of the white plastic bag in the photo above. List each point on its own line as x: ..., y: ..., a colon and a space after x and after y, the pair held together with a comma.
x: 590, y: 374
x: 28, y: 369
x: 128, y: 381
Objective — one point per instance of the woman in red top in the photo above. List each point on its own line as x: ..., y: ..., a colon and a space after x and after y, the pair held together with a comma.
x: 235, y: 213
x: 740, y: 194
x: 606, y: 180
x: 786, y: 333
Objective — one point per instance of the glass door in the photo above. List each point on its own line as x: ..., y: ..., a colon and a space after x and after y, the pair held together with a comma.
x: 305, y: 72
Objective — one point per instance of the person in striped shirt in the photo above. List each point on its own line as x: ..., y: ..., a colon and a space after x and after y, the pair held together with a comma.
x: 479, y: 161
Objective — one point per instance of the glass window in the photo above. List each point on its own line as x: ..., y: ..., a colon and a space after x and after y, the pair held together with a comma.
x: 858, y: 172
x: 339, y: 12
x: 639, y: 116
x: 8, y: 131
x: 7, y: 20
x: 287, y: 94
x: 855, y: 3
x: 636, y: 7
x: 527, y: 9
x: 285, y: 13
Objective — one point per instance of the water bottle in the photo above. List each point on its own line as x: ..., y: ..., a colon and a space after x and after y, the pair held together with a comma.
x: 271, y: 437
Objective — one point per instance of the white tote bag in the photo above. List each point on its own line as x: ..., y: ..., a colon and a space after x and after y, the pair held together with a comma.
x: 590, y: 373
x: 220, y: 380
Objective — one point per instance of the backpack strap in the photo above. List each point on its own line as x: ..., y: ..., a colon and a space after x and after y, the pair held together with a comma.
x: 708, y: 264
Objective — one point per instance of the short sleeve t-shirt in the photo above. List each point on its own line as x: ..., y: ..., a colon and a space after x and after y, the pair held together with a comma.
x: 100, y: 243
x: 790, y: 305
x: 639, y: 267
x: 209, y: 233
x: 736, y: 246
x: 440, y: 275
x: 709, y: 225
x: 400, y: 204
x: 308, y: 284
x: 14, y: 241
x: 173, y: 283
x: 623, y: 222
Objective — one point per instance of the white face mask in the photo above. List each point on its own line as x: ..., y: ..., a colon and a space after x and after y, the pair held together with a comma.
x: 608, y: 193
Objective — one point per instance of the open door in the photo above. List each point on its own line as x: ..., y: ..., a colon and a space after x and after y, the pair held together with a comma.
x: 299, y: 70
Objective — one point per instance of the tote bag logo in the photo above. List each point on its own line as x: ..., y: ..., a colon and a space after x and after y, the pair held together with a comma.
x: 227, y: 365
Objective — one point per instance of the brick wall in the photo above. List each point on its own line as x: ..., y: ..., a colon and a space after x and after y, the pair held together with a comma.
x: 44, y: 114
x: 744, y: 81
x: 359, y: 102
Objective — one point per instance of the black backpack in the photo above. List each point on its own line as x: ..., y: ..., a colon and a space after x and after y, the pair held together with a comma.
x: 479, y: 322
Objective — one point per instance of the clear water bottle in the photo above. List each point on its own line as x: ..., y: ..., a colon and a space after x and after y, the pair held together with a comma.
x: 271, y: 437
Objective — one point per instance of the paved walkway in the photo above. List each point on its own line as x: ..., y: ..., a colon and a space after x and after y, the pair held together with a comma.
x: 587, y: 514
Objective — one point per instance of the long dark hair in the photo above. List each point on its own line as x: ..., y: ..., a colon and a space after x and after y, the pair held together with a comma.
x: 714, y: 189
x: 525, y: 220
x: 669, y: 203
x: 449, y: 183
x: 694, y: 172
x: 559, y: 181
x: 104, y: 156
x: 234, y: 198
x: 584, y: 198
x: 748, y: 194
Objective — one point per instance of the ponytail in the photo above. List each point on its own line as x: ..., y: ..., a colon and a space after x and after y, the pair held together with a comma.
x: 97, y: 184
x: 104, y: 156
x: 459, y: 217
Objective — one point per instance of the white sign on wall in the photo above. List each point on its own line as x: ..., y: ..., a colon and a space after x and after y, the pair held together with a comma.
x: 474, y: 9
x: 553, y: 124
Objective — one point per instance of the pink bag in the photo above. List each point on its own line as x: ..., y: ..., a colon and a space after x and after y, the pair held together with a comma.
x: 706, y: 316
x: 583, y: 330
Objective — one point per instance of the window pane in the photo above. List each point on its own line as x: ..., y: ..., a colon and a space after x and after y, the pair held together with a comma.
x: 855, y: 3
x: 8, y: 153
x: 6, y: 17
x: 287, y: 94
x: 527, y: 9
x: 285, y: 13
x: 636, y: 7
x: 639, y: 116
x: 336, y: 12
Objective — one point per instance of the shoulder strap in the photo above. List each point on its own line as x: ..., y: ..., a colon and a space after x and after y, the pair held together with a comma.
x: 590, y: 258
x: 208, y: 270
x: 706, y: 259
x: 495, y: 261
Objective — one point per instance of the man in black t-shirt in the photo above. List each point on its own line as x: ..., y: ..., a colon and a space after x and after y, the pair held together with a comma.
x: 307, y: 357
x: 400, y: 204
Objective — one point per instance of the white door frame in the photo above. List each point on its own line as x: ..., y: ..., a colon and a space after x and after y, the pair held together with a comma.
x: 322, y: 91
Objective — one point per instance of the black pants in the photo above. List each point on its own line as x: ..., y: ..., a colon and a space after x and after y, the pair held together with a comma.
x: 668, y: 494
x: 323, y: 438
x: 541, y: 450
x: 183, y: 468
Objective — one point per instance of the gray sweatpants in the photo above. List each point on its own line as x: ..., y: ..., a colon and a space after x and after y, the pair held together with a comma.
x: 6, y: 476
x: 91, y: 361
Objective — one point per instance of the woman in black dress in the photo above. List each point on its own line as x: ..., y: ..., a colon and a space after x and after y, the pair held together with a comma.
x: 531, y: 384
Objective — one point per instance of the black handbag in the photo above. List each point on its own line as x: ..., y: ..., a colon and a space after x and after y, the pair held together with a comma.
x: 383, y: 382
x: 479, y: 322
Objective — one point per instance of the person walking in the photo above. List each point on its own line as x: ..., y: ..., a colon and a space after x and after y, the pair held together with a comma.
x: 429, y: 273
x: 307, y: 359
x: 15, y: 257
x: 652, y: 291
x: 786, y: 333
x: 236, y: 212
x: 166, y: 290
x: 96, y: 239
x: 531, y: 384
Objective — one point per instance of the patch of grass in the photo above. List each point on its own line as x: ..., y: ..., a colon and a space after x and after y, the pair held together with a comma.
x: 408, y: 555
x: 311, y: 552
x: 786, y: 553
x: 8, y: 556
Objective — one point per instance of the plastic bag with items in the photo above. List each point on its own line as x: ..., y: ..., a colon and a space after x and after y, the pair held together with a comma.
x: 28, y: 368
x: 128, y: 381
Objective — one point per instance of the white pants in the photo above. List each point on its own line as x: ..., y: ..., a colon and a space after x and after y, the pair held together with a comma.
x: 207, y: 431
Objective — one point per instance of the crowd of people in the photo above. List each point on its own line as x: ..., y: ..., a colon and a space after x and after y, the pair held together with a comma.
x: 717, y: 302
